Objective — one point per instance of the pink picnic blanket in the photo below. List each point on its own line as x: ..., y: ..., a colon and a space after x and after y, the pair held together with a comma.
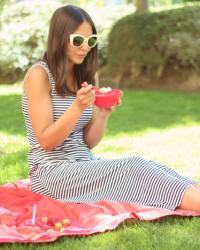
x: 29, y: 217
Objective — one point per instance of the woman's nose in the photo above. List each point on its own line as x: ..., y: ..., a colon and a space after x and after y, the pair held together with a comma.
x: 85, y: 47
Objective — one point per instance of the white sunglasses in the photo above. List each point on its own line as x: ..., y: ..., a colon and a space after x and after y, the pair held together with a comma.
x: 77, y: 40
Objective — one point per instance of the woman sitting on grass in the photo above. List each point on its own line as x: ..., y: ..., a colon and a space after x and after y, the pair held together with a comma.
x: 63, y: 125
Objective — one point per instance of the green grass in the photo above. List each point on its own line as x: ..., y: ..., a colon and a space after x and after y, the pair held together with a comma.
x: 160, y: 126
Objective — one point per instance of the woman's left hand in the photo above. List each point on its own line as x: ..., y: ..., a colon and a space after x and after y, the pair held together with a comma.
x: 106, y: 112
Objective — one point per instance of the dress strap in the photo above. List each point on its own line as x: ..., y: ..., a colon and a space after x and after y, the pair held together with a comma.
x: 45, y: 66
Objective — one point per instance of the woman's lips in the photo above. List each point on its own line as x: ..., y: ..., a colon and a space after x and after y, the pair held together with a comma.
x: 81, y: 56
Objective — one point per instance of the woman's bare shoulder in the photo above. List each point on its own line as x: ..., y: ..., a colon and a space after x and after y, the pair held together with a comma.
x: 36, y: 78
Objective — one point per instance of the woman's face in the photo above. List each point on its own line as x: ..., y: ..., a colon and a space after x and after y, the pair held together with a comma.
x: 77, y: 55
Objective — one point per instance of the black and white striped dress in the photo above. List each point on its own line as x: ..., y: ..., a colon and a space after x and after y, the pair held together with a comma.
x: 71, y: 173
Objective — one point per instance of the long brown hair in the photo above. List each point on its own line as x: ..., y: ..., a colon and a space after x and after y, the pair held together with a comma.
x: 64, y: 22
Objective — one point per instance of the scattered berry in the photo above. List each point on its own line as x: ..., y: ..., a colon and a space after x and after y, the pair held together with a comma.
x: 50, y: 230
x: 58, y: 225
x: 66, y: 221
x: 45, y: 219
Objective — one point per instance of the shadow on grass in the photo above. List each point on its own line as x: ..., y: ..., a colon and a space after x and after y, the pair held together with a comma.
x: 139, y: 111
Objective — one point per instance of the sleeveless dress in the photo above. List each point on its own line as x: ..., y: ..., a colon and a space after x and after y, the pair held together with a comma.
x: 71, y: 173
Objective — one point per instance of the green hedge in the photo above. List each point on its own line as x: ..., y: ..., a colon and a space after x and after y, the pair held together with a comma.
x: 24, y: 28
x: 23, y: 33
x: 152, y: 42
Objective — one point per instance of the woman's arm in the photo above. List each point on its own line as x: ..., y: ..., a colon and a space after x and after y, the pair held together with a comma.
x: 95, y: 129
x: 48, y: 132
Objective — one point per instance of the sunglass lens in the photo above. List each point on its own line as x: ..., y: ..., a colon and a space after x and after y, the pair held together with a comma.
x: 78, y: 41
x: 92, y: 41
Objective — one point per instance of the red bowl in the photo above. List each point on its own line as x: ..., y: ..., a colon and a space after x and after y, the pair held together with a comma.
x: 107, y: 100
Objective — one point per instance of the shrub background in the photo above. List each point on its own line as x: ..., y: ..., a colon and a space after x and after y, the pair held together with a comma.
x: 151, y: 50
x: 22, y: 36
x: 24, y: 29
x: 153, y: 43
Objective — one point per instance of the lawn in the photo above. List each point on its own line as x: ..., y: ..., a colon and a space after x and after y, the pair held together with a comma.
x: 160, y: 126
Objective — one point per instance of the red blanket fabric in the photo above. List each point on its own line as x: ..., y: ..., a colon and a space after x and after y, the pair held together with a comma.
x: 17, y: 204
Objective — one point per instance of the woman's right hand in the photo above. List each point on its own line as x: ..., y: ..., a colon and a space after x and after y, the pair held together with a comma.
x: 85, y: 96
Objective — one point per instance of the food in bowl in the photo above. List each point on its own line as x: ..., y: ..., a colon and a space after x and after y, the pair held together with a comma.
x: 105, y: 89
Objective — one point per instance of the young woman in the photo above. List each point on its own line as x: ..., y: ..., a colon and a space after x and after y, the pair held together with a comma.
x: 63, y: 125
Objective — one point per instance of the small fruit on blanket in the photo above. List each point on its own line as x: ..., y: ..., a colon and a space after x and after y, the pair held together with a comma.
x: 105, y: 89
x: 45, y: 219
x: 66, y: 221
x: 50, y: 230
x: 52, y: 220
x: 58, y: 225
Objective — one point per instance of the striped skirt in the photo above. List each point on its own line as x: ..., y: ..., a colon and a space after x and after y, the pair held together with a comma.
x: 131, y: 179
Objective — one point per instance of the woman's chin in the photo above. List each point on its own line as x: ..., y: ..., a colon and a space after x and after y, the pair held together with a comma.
x: 78, y: 60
